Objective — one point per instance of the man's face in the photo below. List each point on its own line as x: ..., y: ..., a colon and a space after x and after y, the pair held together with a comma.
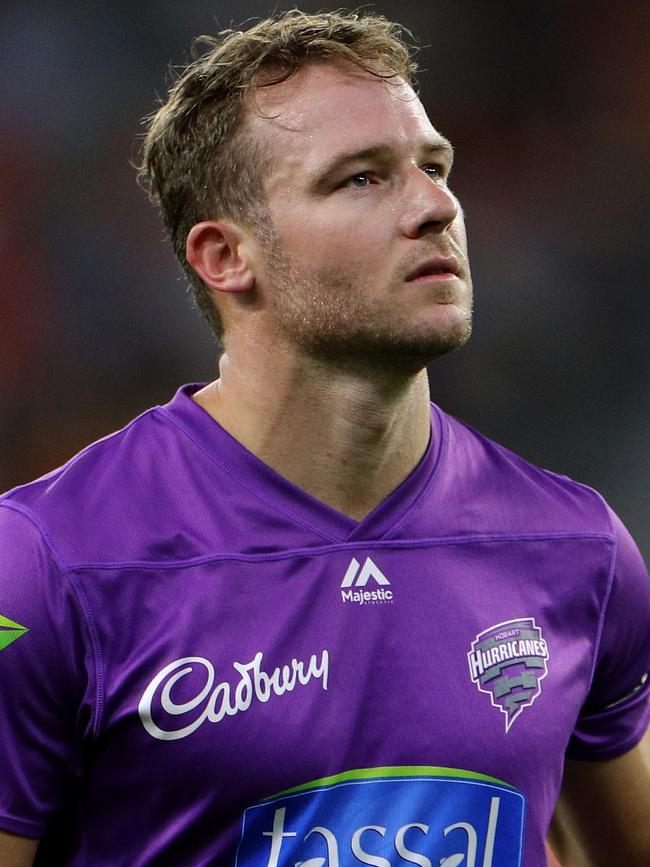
x: 366, y: 257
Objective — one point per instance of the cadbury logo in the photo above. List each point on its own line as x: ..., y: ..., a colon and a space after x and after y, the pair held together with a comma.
x: 167, y: 719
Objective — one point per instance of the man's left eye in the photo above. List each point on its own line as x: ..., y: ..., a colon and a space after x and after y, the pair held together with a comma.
x: 433, y: 171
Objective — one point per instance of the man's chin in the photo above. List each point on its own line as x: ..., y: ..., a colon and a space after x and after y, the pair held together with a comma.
x: 421, y: 351
x: 451, y: 330
x: 395, y: 351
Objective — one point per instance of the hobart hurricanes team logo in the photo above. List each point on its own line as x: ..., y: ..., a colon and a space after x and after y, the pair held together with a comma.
x: 508, y: 662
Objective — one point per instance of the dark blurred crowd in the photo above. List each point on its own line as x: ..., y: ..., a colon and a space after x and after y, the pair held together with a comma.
x: 549, y: 110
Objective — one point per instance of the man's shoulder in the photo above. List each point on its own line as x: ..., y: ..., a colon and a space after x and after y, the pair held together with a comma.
x: 99, y: 463
x: 509, y: 493
x: 97, y: 505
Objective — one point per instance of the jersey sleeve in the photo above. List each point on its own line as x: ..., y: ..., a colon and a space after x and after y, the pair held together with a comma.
x: 47, y: 680
x: 617, y: 710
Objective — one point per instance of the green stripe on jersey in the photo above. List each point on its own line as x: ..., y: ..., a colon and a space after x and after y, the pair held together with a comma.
x: 10, y: 631
x: 399, y: 771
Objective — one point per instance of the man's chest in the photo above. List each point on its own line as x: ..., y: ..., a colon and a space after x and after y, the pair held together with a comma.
x: 402, y: 687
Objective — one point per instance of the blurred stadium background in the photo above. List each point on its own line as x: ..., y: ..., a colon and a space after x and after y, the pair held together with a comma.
x: 548, y: 106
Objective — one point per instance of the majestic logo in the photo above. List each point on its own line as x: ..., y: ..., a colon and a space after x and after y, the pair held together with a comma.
x: 507, y: 662
x: 388, y: 817
x: 357, y: 577
x: 10, y: 631
x: 169, y: 720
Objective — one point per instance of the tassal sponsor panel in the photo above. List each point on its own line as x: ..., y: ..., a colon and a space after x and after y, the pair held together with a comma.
x: 388, y: 817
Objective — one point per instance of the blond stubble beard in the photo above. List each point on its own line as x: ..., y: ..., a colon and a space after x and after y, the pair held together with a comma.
x: 328, y: 318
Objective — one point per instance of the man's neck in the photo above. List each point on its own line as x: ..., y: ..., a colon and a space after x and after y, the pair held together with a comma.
x: 346, y: 439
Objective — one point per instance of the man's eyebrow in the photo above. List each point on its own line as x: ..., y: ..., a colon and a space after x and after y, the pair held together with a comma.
x: 341, y: 161
x: 440, y: 145
x: 338, y: 163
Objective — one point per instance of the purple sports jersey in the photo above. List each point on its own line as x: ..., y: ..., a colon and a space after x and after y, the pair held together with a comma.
x: 201, y: 664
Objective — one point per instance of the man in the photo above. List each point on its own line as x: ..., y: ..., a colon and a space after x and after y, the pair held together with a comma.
x: 299, y: 615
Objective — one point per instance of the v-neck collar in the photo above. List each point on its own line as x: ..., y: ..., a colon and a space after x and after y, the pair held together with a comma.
x: 298, y: 505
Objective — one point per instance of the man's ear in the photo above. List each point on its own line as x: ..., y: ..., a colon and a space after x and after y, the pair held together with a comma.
x: 216, y: 251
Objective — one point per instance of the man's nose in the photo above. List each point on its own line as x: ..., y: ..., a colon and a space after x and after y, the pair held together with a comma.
x: 429, y: 206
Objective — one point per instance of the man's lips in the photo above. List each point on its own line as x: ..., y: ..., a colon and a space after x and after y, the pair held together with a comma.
x: 436, y: 267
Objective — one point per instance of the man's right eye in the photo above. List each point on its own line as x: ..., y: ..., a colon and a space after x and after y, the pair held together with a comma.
x: 361, y: 179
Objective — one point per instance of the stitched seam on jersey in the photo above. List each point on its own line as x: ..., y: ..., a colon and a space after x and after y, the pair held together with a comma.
x: 22, y: 826
x: 612, y: 752
x: 341, y: 546
x: 606, y: 598
x: 293, y: 518
x: 82, y: 603
x: 638, y: 696
x: 442, y: 454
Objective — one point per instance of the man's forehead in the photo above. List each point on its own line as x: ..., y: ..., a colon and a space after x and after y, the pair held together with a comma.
x: 326, y: 109
x: 321, y: 92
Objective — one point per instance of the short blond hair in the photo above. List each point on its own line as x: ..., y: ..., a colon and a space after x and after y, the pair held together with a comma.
x: 197, y: 162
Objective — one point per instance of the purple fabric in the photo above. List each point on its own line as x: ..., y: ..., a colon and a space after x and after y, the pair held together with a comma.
x: 203, y: 635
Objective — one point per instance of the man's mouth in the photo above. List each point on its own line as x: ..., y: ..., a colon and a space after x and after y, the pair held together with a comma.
x: 435, y: 268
